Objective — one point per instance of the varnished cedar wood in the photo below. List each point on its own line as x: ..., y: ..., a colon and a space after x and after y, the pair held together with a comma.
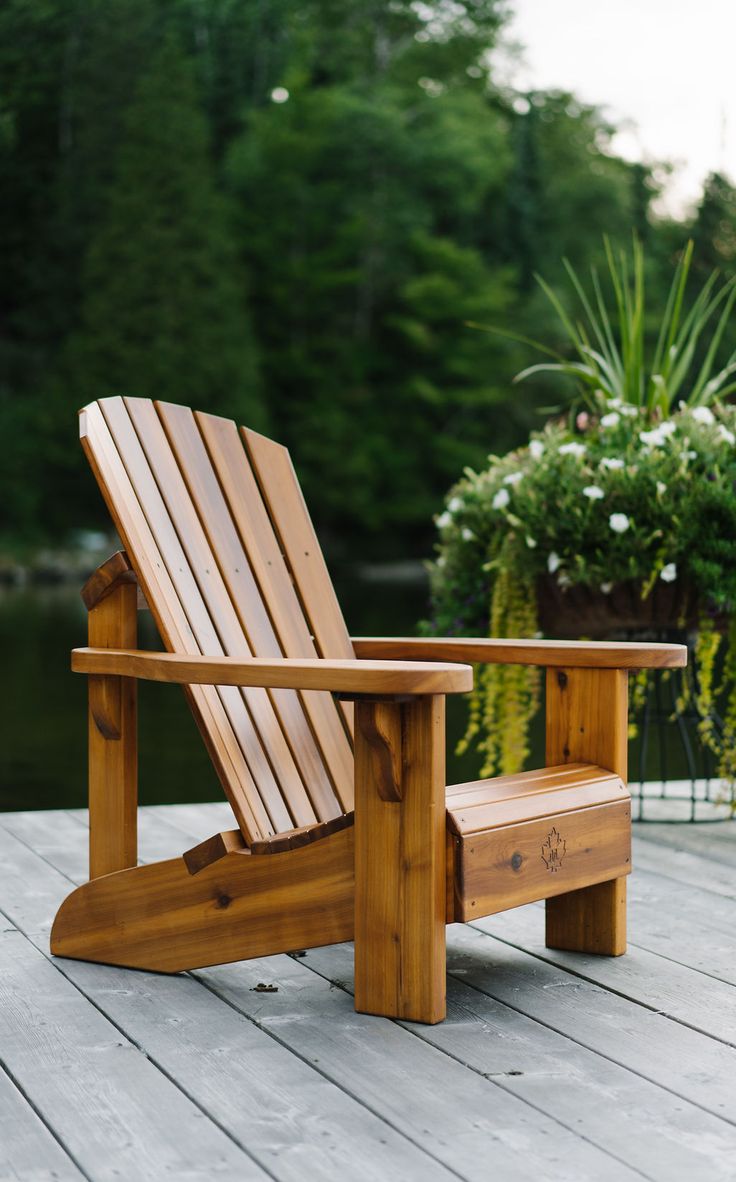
x: 354, y: 678
x: 173, y: 540
x: 281, y: 765
x: 113, y: 747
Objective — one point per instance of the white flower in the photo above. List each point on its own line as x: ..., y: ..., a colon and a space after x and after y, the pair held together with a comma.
x: 513, y: 478
x: 467, y: 535
x: 501, y: 499
x: 619, y: 523
x: 726, y: 435
x: 593, y: 492
x: 454, y: 504
x: 572, y: 449
x: 668, y: 573
x: 441, y: 560
x: 690, y: 455
x: 658, y: 436
x: 536, y: 449
x: 553, y: 562
x: 661, y: 488
x: 631, y: 411
x: 615, y: 403
x: 531, y: 543
x: 563, y: 581
x: 606, y: 588
x: 444, y: 520
x: 701, y: 414
x: 611, y: 465
x: 611, y: 420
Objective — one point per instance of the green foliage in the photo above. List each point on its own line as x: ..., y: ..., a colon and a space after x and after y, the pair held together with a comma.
x: 619, y: 499
x: 365, y: 294
x: 171, y: 229
x: 164, y: 312
x: 610, y: 342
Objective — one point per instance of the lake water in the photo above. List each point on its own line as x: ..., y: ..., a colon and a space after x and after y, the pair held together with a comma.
x: 43, y: 720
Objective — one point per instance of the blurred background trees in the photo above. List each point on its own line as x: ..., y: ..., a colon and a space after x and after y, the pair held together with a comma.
x: 287, y: 211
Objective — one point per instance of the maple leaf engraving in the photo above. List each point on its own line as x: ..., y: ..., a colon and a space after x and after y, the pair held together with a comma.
x: 553, y: 851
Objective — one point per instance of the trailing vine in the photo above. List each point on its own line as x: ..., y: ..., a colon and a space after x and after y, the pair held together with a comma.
x: 505, y: 698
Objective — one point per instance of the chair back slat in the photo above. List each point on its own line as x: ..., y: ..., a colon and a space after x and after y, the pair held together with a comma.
x: 249, y: 623
x: 171, y: 620
x: 258, y: 537
x: 290, y: 516
x: 208, y: 552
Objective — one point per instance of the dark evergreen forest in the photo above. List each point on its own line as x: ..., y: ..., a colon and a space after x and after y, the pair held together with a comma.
x: 288, y: 212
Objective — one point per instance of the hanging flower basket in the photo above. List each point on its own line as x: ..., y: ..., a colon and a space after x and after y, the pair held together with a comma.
x: 618, y: 525
x: 618, y: 520
x: 580, y: 610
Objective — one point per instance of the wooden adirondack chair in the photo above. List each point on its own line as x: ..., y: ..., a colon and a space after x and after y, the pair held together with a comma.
x: 218, y: 539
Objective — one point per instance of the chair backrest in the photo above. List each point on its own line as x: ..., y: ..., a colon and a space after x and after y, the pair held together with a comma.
x: 221, y: 542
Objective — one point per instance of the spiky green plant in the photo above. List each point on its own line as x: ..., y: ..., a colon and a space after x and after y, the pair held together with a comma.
x: 613, y: 360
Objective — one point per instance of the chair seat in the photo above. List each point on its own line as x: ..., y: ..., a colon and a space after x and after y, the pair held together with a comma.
x: 515, y: 839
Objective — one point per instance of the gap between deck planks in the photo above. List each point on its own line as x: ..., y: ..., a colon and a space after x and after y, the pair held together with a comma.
x: 461, y: 1122
x: 682, y: 1129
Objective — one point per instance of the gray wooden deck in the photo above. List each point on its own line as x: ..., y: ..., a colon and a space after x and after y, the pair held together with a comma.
x: 550, y: 1066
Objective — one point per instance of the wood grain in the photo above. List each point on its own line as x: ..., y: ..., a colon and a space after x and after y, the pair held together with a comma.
x: 587, y: 720
x: 569, y: 653
x: 372, y: 677
x: 170, y: 618
x: 113, y: 740
x: 256, y: 537
x: 512, y: 865
x: 510, y: 800
x: 163, y: 918
x: 185, y: 473
x: 212, y: 849
x: 400, y: 883
x: 290, y: 517
x: 157, y: 484
x: 115, y: 570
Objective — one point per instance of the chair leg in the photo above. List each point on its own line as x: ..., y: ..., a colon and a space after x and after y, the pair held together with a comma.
x: 589, y: 920
x: 113, y: 749
x: 400, y: 859
x: 587, y: 722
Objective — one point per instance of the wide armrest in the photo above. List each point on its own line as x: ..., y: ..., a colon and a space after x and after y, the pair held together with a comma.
x: 600, y: 654
x: 345, y: 677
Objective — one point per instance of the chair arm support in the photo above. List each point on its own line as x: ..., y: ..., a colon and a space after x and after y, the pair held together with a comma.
x: 376, y: 678
x: 566, y: 653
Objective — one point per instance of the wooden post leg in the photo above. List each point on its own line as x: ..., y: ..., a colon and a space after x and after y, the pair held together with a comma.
x: 113, y: 744
x: 587, y: 722
x: 400, y: 859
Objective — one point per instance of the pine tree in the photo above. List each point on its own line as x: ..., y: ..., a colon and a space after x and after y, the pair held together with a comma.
x: 164, y: 310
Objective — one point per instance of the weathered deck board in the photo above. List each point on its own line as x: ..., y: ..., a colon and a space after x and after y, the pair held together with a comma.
x: 451, y: 1123
x: 27, y: 1148
x: 550, y: 1063
x: 294, y: 1121
x: 567, y: 1081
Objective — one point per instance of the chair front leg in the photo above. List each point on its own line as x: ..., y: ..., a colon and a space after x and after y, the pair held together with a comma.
x: 113, y: 749
x: 400, y: 858
x: 587, y: 722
